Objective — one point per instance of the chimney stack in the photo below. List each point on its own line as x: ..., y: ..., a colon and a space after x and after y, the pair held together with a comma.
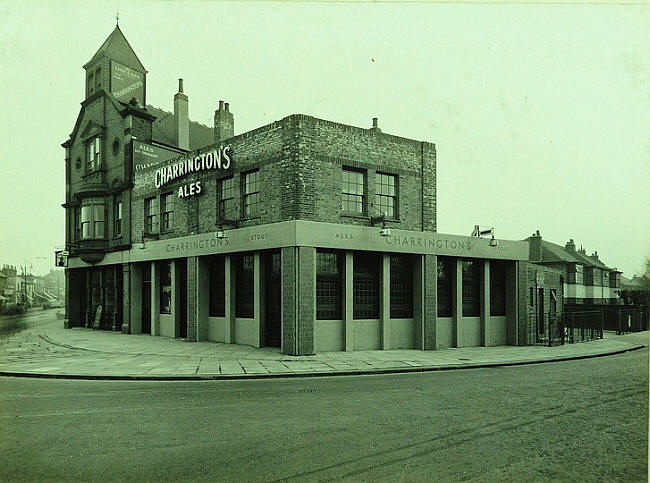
x: 224, y: 122
x: 181, y: 118
x: 375, y: 125
x: 535, y: 247
x: 570, y: 246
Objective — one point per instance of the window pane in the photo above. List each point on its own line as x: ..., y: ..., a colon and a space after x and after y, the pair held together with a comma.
x: 445, y: 278
x: 365, y: 291
x: 217, y: 300
x: 401, y: 287
x: 86, y: 213
x: 165, y: 288
x: 328, y: 285
x: 497, y: 288
x: 471, y: 288
x: 244, y: 286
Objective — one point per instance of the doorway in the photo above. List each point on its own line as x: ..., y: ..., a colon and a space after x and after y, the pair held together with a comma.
x: 181, y: 273
x: 272, y: 299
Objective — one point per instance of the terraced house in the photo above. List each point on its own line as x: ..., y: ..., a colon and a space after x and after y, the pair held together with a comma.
x: 303, y: 234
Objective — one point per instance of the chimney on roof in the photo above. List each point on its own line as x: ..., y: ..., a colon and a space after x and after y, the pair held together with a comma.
x: 535, y: 247
x: 375, y: 125
x: 595, y: 255
x: 582, y: 250
x: 224, y: 122
x: 181, y: 118
x: 570, y: 246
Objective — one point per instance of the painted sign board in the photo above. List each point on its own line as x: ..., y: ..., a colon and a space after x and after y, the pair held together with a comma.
x: 126, y: 83
x: 148, y: 156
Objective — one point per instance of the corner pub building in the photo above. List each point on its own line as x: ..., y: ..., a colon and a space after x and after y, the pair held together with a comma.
x: 304, y: 234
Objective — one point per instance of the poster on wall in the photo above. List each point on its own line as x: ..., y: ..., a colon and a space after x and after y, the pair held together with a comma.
x: 147, y: 156
x: 126, y: 83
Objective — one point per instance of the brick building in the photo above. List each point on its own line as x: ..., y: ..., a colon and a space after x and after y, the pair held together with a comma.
x: 304, y: 234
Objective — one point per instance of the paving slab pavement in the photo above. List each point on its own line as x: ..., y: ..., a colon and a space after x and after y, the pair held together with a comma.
x: 52, y: 351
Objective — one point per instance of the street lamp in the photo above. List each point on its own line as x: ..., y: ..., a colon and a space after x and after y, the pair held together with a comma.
x: 481, y: 232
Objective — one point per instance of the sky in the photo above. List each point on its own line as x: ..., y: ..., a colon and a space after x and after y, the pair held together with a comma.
x: 539, y: 112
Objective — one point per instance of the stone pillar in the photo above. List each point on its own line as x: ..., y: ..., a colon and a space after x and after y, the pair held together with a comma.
x: 429, y: 280
x: 486, y: 329
x: 191, y: 285
x: 384, y: 301
x: 117, y: 297
x: 176, y: 296
x: 298, y: 300
x: 133, y: 274
x: 229, y: 303
x: 348, y: 302
x: 202, y: 297
x: 457, y: 303
x: 155, y: 299
x: 127, y: 298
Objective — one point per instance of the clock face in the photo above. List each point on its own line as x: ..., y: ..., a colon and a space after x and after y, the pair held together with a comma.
x: 126, y: 83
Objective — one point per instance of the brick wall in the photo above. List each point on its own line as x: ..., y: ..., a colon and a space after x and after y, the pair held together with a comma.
x: 300, y: 160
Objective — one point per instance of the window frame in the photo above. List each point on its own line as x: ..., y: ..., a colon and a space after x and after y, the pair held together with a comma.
x: 166, y: 292
x: 471, y: 289
x: 380, y: 196
x: 226, y: 205
x: 217, y: 286
x: 94, y: 151
x: 348, y: 192
x: 93, y: 206
x: 401, y: 287
x: 329, y: 286
x: 365, y: 278
x: 498, y: 303
x: 166, y: 214
x: 245, y: 275
x: 118, y: 214
x: 150, y: 214
x: 250, y: 195
x: 445, y: 269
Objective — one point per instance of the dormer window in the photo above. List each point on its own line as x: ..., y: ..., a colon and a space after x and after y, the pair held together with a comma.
x: 93, y: 154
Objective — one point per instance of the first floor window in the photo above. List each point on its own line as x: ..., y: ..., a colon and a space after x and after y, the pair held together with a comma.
x: 165, y: 287
x: 353, y: 190
x: 226, y: 198
x: 117, y: 213
x: 553, y: 301
x: 77, y: 224
x: 386, y: 198
x: 251, y: 191
x: 497, y: 288
x: 446, y: 268
x: 244, y: 297
x: 166, y: 211
x: 401, y: 287
x: 217, y: 287
x: 93, y: 214
x: 365, y: 290
x: 471, y: 288
x: 150, y: 213
x: 328, y: 285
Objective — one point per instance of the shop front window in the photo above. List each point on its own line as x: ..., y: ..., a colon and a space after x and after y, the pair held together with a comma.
x: 165, y: 287
x: 446, y: 268
x: 328, y: 285
x: 497, y: 288
x: 217, y: 299
x: 401, y: 287
x: 365, y: 290
x: 471, y: 288
x: 244, y: 297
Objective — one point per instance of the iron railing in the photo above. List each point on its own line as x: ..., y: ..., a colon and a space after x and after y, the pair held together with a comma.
x: 568, y: 327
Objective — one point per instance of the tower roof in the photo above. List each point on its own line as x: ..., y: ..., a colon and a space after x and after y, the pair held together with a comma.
x: 117, y: 47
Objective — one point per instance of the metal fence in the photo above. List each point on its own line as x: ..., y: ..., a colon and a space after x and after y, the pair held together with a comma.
x: 569, y: 327
x: 619, y: 318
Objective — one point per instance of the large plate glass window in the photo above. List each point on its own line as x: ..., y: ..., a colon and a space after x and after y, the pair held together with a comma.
x: 328, y: 285
x: 365, y: 290
x: 446, y: 268
x: 471, y: 288
x: 217, y: 302
x: 497, y: 288
x: 401, y: 287
x: 165, y: 287
x: 244, y: 297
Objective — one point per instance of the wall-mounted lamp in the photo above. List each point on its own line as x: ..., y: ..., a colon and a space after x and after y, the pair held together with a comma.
x: 481, y: 232
x: 222, y: 219
x: 384, y: 230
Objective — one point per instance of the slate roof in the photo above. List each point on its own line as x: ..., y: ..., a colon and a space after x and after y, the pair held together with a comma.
x: 552, y: 252
x: 163, y: 130
x: 117, y: 47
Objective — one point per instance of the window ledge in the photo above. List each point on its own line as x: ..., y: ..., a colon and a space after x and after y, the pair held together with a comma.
x: 350, y: 214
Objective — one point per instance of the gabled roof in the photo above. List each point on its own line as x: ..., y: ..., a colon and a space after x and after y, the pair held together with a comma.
x: 117, y: 47
x: 162, y: 130
x: 552, y: 252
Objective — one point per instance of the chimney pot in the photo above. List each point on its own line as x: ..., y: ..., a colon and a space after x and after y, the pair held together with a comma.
x: 221, y: 105
x: 374, y: 122
x: 537, y: 233
x: 227, y: 106
x: 180, y: 85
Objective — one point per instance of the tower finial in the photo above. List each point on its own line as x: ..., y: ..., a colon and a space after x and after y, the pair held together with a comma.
x: 117, y: 18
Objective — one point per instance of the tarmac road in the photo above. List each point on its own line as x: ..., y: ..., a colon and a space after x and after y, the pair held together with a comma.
x: 14, y: 323
x: 582, y: 420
